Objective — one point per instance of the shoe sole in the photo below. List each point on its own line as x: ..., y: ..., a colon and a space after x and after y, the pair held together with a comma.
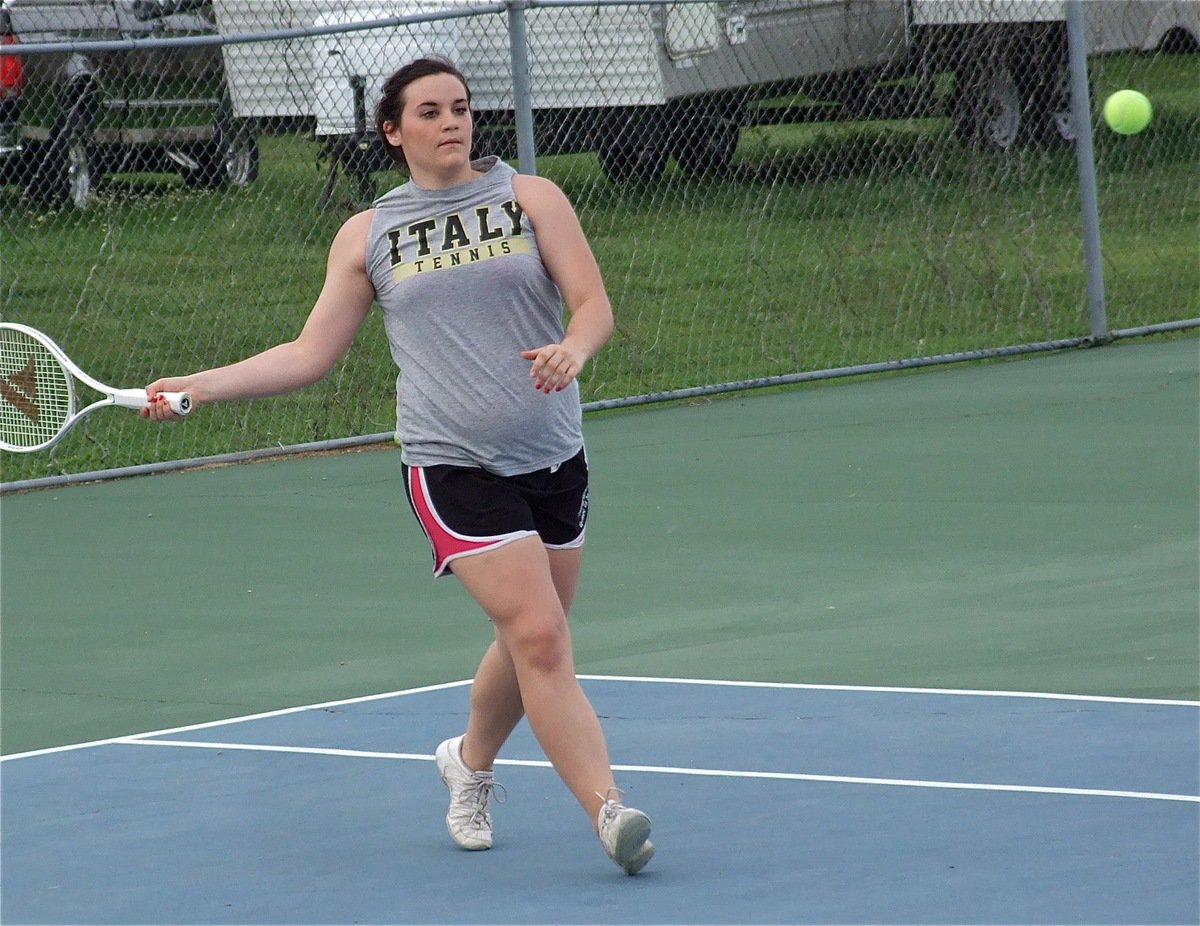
x: 633, y: 849
x: 639, y: 861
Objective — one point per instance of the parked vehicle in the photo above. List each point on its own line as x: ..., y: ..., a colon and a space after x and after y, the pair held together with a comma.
x: 81, y: 114
x: 12, y: 84
x: 1009, y: 57
x: 642, y: 84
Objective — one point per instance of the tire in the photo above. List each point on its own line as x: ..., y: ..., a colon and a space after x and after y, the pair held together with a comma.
x: 241, y: 157
x: 632, y: 145
x: 706, y: 137
x: 1049, y: 110
x: 988, y: 111
x: 82, y: 173
x: 1046, y: 90
x: 231, y: 158
x: 1015, y: 91
x: 68, y: 170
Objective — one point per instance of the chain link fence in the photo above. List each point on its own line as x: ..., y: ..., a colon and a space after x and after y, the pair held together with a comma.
x: 775, y: 190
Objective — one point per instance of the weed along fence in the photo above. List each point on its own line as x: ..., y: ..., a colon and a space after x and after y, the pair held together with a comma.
x: 776, y: 191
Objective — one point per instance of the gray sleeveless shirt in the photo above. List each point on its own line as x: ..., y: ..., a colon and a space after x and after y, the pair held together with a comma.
x: 463, y: 290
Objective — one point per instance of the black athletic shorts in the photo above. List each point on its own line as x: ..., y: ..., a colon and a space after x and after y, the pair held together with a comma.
x: 465, y: 510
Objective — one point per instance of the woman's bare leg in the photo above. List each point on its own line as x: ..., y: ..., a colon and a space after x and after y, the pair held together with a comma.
x: 496, y: 706
x: 515, y: 586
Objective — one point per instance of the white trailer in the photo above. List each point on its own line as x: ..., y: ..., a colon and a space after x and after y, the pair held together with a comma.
x: 640, y: 84
x: 603, y: 77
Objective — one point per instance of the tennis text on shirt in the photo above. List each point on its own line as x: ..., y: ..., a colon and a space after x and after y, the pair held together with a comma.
x: 458, y: 238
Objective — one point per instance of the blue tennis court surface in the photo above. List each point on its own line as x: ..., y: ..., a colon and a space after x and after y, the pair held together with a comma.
x: 771, y: 804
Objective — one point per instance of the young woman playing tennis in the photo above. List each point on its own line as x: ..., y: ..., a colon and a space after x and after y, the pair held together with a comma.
x: 471, y: 263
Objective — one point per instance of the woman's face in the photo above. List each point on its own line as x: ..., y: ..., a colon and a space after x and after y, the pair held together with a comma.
x: 435, y: 125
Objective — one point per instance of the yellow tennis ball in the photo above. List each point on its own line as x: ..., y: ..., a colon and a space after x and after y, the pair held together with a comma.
x: 1127, y: 112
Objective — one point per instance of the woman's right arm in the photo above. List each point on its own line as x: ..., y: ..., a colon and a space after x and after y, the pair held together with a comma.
x: 342, y: 306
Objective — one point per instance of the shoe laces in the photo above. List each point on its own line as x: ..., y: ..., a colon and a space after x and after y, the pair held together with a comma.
x: 612, y: 805
x: 478, y: 792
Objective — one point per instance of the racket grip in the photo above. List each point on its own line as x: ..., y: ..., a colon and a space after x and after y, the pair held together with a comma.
x: 179, y: 402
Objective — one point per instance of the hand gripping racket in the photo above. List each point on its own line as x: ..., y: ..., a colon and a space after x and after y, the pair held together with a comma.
x: 37, y: 391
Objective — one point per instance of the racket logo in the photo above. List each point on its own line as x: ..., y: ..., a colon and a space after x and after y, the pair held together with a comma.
x: 20, y: 390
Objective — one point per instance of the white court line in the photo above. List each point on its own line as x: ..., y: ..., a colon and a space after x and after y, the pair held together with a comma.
x: 959, y: 692
x: 283, y: 712
x: 972, y: 692
x: 671, y: 770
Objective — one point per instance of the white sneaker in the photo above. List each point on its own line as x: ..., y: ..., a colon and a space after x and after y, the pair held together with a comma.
x: 467, y: 818
x: 623, y: 833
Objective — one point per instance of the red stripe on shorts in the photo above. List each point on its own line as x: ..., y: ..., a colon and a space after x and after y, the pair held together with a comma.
x: 448, y: 545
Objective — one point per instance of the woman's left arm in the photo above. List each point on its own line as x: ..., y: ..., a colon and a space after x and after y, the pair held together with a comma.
x: 569, y: 260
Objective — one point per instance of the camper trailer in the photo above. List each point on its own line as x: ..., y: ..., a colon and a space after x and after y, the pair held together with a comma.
x: 642, y: 84
x: 637, y: 84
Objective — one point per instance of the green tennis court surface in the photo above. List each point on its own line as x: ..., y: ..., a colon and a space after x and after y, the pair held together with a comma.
x: 1024, y: 526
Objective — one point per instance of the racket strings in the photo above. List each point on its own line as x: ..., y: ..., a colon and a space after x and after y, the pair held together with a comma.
x: 35, y: 391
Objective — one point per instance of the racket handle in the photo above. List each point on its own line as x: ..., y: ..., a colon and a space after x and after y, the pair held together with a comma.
x: 180, y: 402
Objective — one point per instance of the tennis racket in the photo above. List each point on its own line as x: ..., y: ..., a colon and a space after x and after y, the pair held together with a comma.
x: 38, y: 404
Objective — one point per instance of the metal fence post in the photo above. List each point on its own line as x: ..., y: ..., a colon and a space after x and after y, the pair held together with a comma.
x: 1081, y: 115
x: 522, y: 96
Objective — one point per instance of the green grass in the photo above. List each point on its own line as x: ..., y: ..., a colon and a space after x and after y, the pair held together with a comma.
x: 829, y: 244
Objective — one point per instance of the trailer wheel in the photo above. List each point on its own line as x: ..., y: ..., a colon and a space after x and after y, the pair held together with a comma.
x: 1014, y: 89
x: 231, y: 157
x: 1179, y: 41
x: 1046, y: 89
x: 632, y: 145
x: 988, y: 111
x: 705, y: 138
x: 241, y: 157
x: 1051, y: 119
x: 68, y: 170
x: 82, y: 172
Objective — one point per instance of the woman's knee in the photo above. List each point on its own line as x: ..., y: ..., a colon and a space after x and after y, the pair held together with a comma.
x: 540, y: 643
